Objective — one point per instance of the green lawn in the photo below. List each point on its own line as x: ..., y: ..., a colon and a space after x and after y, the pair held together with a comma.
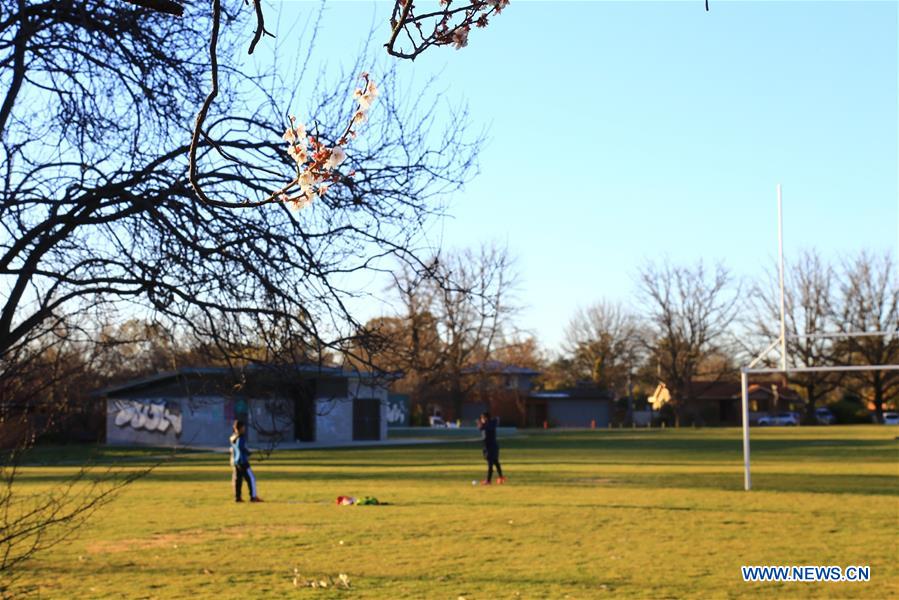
x: 640, y: 514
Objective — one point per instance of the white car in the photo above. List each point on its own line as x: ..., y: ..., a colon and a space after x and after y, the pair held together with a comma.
x: 781, y: 418
x: 437, y: 421
x: 891, y: 418
x: 824, y: 416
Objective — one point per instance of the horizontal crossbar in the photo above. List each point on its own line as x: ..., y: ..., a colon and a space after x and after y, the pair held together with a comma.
x: 788, y: 370
x: 848, y: 334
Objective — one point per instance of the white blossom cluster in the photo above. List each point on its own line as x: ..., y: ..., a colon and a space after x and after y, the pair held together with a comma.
x: 316, y: 163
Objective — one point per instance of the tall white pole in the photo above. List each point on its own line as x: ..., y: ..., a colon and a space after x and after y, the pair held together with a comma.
x: 744, y: 390
x: 780, y: 251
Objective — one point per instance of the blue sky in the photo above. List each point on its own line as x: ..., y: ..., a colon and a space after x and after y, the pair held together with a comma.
x: 626, y: 131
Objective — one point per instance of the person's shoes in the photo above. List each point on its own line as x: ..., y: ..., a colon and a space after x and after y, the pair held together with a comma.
x: 256, y: 499
x: 238, y: 500
x: 485, y: 482
x: 501, y: 480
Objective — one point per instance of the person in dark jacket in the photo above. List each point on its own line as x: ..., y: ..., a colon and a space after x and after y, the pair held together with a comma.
x: 487, y: 425
x: 240, y: 463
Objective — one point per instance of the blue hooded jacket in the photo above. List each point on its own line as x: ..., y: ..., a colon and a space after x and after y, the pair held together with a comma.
x: 240, y: 454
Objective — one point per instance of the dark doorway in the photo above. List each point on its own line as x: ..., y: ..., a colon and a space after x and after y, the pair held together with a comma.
x: 537, y: 414
x: 726, y: 413
x: 366, y: 419
x: 304, y: 413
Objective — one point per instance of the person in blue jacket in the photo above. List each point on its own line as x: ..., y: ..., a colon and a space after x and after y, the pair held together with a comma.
x: 240, y: 462
x: 487, y: 425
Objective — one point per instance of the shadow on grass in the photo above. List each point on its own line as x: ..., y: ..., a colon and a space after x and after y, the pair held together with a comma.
x: 706, y: 448
x: 681, y: 446
x: 726, y: 480
x: 570, y: 458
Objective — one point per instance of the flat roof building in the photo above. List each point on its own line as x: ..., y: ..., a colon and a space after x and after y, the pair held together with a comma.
x: 197, y: 406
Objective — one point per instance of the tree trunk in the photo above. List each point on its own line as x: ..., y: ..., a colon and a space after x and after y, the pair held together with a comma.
x: 457, y: 398
x: 878, y: 401
x: 810, y: 404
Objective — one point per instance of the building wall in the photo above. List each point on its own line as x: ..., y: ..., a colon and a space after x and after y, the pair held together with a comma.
x: 167, y: 421
x: 381, y: 394
x: 578, y: 413
x: 334, y: 419
x: 271, y: 420
x: 159, y: 419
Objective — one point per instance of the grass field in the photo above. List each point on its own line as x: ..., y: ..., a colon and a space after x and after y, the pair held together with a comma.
x: 641, y: 514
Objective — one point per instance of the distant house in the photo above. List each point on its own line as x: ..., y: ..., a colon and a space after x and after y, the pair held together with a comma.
x: 501, y: 389
x: 493, y: 386
x: 719, y: 402
x: 765, y: 398
x: 496, y: 374
x: 576, y: 407
x: 507, y: 391
x: 196, y: 407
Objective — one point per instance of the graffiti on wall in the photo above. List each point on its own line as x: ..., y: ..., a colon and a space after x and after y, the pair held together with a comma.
x: 396, y: 412
x: 150, y: 416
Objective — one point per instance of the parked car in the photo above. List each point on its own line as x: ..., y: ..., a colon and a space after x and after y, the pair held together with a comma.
x: 891, y: 418
x: 781, y: 418
x: 824, y: 416
x: 437, y: 421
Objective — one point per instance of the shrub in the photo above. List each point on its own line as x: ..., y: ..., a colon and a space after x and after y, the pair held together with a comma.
x: 850, y: 409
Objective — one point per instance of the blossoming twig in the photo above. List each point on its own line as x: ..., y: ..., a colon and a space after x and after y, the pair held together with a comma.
x: 316, y: 163
x: 451, y: 25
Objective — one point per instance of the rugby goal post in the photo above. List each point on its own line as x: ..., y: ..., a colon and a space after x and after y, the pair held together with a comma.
x: 781, y: 342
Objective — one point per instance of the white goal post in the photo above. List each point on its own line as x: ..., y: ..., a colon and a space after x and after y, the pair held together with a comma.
x: 781, y: 341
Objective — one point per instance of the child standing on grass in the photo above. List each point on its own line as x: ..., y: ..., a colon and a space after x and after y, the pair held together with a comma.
x: 240, y: 462
x: 487, y: 426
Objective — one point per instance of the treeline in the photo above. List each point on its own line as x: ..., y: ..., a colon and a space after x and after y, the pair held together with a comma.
x: 458, y: 315
x: 685, y: 324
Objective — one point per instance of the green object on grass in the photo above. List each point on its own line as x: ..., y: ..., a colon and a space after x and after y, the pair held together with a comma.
x: 368, y: 500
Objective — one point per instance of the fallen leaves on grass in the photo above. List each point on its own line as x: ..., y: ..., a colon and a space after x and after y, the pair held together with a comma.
x: 342, y: 581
